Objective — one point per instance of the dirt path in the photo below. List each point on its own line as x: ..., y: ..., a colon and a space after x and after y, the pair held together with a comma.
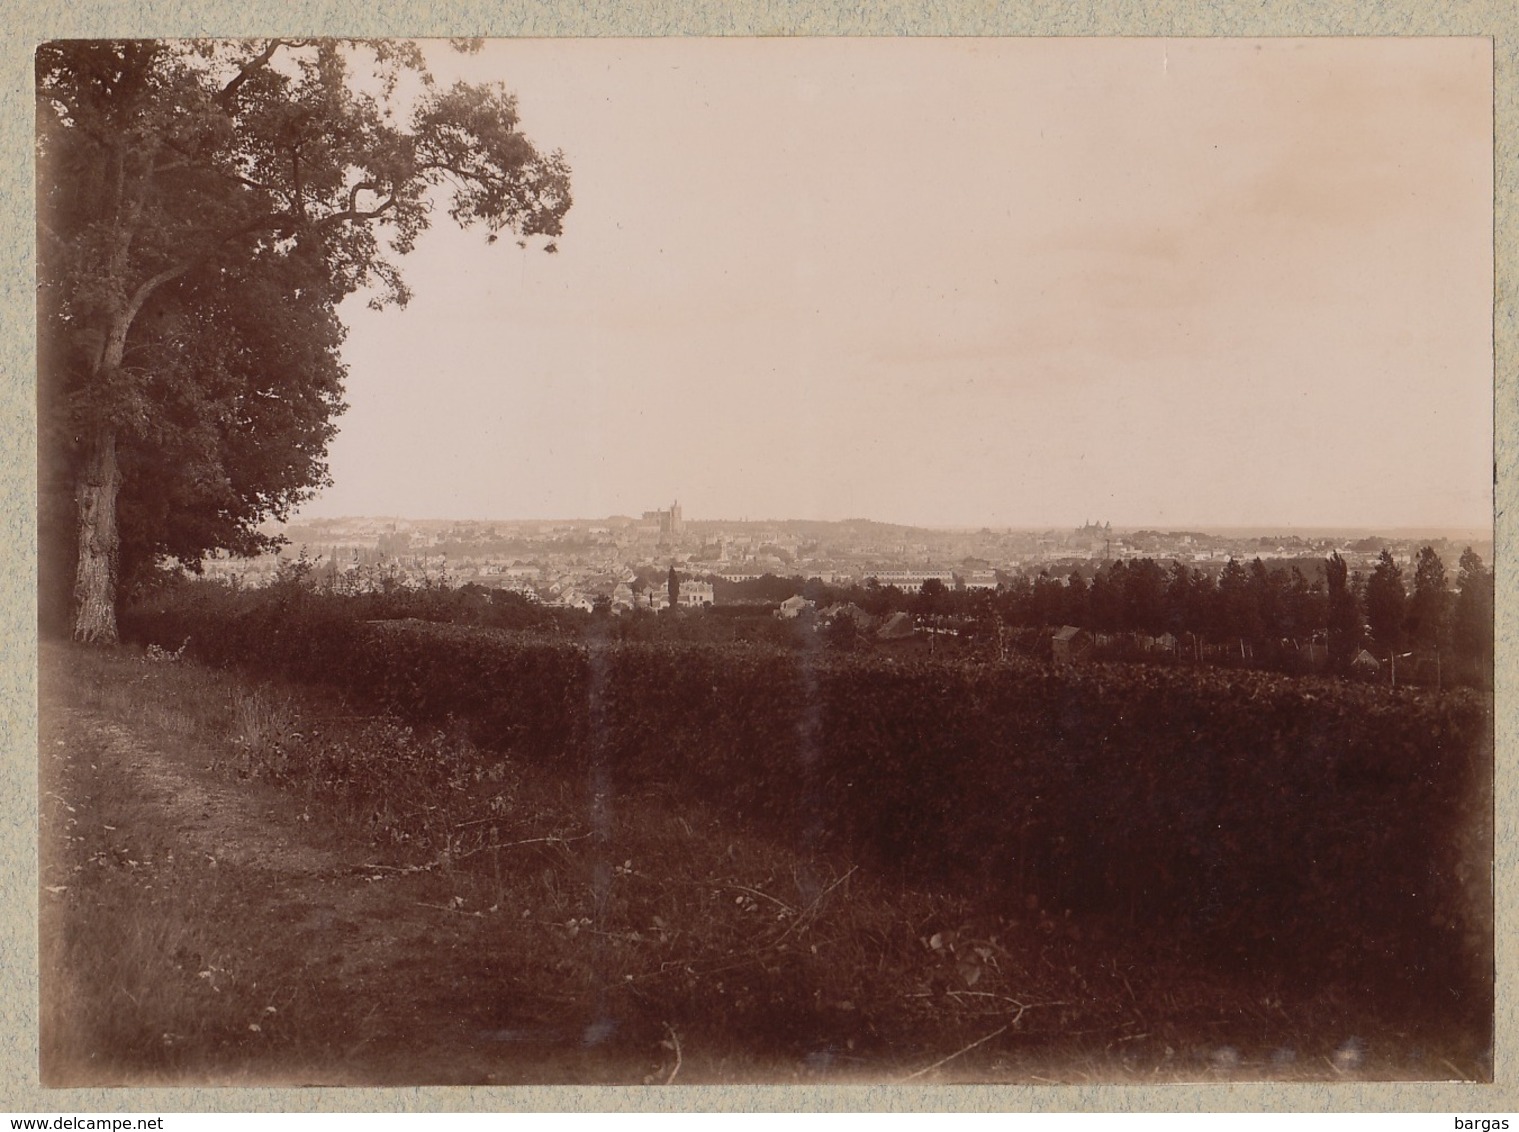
x: 201, y: 927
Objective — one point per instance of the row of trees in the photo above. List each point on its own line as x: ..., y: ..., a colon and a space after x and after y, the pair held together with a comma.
x: 1382, y: 611
x: 203, y: 209
x: 1262, y: 607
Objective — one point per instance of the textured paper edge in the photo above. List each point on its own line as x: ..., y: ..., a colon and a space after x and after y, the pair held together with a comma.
x: 27, y: 24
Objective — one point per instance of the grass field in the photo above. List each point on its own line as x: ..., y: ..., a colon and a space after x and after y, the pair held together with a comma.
x: 249, y: 881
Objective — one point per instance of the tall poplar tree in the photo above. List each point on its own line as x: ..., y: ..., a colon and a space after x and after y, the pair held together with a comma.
x: 1472, y: 619
x: 1429, y: 605
x: 1344, y: 614
x: 1386, y: 604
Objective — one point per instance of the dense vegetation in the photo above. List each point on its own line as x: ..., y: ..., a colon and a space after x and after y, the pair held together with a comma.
x: 1260, y: 823
x: 1271, y: 617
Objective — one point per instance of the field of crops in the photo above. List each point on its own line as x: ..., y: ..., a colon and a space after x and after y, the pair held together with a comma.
x: 1327, y: 832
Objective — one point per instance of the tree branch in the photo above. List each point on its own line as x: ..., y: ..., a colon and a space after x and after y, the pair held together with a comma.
x: 145, y: 289
x: 153, y: 282
x: 362, y: 186
x: 353, y: 212
x: 456, y: 170
x: 228, y: 94
x: 295, y: 181
x: 958, y: 1052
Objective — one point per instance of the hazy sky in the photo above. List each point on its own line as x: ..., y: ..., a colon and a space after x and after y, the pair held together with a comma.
x: 959, y: 282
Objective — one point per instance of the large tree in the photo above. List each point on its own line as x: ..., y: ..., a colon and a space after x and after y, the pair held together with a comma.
x: 203, y: 209
x: 1186, y: 591
x: 1144, y: 597
x: 1303, y: 605
x: 1430, y: 603
x: 1237, y: 615
x: 1471, y: 618
x: 1386, y: 604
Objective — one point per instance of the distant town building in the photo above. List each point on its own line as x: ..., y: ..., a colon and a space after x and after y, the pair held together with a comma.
x: 792, y: 607
x: 1093, y: 538
x: 911, y: 581
x: 695, y: 594
x: 862, y: 620
x: 671, y: 523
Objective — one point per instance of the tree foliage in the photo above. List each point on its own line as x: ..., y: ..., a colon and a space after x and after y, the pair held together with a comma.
x: 1428, y: 606
x: 932, y: 598
x: 1386, y: 604
x: 1472, y: 618
x: 203, y: 208
x: 1344, y: 620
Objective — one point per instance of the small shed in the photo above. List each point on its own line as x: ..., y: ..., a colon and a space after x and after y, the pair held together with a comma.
x: 897, y: 627
x: 1071, y: 643
x: 1366, y: 664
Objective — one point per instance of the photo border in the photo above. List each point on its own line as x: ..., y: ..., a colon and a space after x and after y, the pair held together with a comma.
x: 28, y: 25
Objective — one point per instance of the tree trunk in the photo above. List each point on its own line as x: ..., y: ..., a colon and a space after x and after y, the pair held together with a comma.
x: 99, y: 541
x: 95, y: 495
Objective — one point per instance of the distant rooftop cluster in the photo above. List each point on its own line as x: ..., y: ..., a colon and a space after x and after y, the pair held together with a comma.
x: 624, y: 561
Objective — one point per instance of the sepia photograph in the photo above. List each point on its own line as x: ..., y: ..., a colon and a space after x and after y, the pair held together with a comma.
x: 765, y: 561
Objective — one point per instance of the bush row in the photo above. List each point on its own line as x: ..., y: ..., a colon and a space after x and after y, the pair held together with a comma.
x: 1291, y: 824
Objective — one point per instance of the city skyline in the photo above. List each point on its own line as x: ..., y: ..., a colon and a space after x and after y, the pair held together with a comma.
x: 1198, y: 283
x: 1449, y: 533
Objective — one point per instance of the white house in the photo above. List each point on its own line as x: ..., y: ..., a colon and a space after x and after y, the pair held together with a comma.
x: 792, y: 607
x: 695, y: 594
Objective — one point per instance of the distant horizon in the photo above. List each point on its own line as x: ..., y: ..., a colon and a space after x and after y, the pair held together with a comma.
x: 1243, y: 530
